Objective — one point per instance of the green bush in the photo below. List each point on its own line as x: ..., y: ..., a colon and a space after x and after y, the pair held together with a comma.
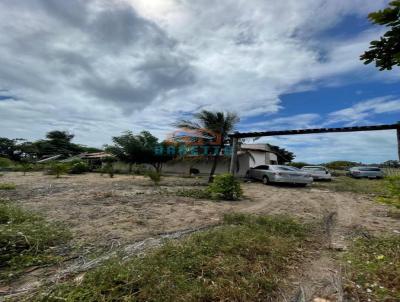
x: 24, y: 167
x: 225, y: 187
x: 154, y: 176
x: 5, y: 162
x: 25, y: 239
x: 194, y: 193
x: 79, y: 168
x: 392, y: 185
x: 298, y: 164
x: 57, y: 169
x: 7, y: 186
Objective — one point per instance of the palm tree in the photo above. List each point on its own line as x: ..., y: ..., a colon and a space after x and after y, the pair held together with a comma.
x: 219, y: 123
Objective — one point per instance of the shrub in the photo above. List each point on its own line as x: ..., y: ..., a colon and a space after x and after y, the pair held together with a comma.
x: 58, y: 169
x: 24, y: 167
x: 225, y: 187
x: 5, y: 162
x: 7, y: 186
x: 392, y: 185
x: 79, y: 168
x: 108, y: 167
x: 25, y: 239
x: 154, y: 176
x: 298, y: 164
x: 194, y: 193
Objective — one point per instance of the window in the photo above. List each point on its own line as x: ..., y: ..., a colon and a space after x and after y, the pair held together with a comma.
x: 314, y: 169
x: 283, y: 168
x: 262, y: 167
x: 370, y: 169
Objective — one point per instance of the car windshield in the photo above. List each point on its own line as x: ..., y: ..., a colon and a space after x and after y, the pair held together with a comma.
x: 285, y: 168
x: 370, y: 169
x: 314, y: 168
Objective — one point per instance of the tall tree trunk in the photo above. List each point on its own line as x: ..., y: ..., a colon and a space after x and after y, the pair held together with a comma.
x: 214, y: 166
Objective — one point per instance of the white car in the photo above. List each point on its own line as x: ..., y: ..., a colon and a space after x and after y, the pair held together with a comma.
x: 318, y: 172
x: 366, y: 172
x: 279, y: 173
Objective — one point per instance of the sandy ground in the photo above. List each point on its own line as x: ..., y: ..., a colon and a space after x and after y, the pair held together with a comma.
x: 104, y: 212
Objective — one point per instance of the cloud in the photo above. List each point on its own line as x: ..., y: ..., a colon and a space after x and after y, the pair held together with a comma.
x: 366, y: 147
x: 299, y: 121
x: 100, y: 67
x: 360, y: 112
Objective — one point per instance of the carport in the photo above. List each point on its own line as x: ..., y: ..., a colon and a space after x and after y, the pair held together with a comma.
x: 237, y: 135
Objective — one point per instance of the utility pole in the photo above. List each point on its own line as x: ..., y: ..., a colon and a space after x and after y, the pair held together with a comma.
x: 398, y: 140
x: 233, y: 155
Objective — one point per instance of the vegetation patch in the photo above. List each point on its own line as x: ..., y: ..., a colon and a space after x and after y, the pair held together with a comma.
x: 392, y: 197
x: 245, y: 259
x: 373, y: 270
x: 347, y: 184
x: 25, y: 240
x: 154, y: 176
x: 225, y: 187
x: 194, y: 193
x: 7, y: 186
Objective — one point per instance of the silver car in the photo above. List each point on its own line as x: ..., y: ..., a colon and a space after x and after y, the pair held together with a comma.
x: 318, y: 172
x: 366, y: 172
x: 278, y: 173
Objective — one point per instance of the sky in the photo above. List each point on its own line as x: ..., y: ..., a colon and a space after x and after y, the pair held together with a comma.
x: 97, y: 68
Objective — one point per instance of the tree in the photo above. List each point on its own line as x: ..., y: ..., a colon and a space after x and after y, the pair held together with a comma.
x: 8, y: 148
x: 57, y: 142
x: 282, y: 154
x: 137, y: 149
x: 219, y: 123
x: 386, y: 51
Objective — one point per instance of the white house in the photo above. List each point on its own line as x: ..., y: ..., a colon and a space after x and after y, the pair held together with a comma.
x: 249, y: 155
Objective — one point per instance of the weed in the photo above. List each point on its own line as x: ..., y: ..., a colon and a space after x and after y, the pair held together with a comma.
x: 373, y: 269
x: 58, y: 169
x: 78, y: 168
x: 194, y: 193
x: 242, y: 260
x: 347, y: 184
x: 394, y: 213
x: 25, y: 239
x: 154, y: 176
x: 392, y: 197
x: 225, y: 187
x: 7, y: 186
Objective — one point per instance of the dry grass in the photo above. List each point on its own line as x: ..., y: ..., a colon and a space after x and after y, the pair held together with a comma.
x: 243, y: 260
x: 25, y: 240
x: 373, y: 270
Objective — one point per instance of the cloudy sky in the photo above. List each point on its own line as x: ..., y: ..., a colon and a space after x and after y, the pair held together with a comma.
x: 100, y: 67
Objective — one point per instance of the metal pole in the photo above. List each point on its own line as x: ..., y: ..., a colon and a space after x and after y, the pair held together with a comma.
x: 233, y: 155
x: 398, y: 140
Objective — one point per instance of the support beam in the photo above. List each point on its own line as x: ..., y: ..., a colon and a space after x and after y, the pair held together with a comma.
x: 312, y: 131
x: 398, y: 140
x: 232, y: 166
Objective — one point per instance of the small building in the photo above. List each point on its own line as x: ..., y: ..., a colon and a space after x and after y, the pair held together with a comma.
x: 249, y: 155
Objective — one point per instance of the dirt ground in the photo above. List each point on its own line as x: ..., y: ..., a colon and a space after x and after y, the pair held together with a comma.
x: 104, y: 213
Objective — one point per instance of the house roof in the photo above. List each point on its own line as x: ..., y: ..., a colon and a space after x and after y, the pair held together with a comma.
x: 256, y: 147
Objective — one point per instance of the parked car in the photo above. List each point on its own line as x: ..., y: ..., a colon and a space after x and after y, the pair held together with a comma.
x: 318, y: 172
x: 279, y: 173
x: 366, y: 172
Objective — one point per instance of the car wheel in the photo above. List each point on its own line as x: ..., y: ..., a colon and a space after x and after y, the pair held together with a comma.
x: 265, y: 180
